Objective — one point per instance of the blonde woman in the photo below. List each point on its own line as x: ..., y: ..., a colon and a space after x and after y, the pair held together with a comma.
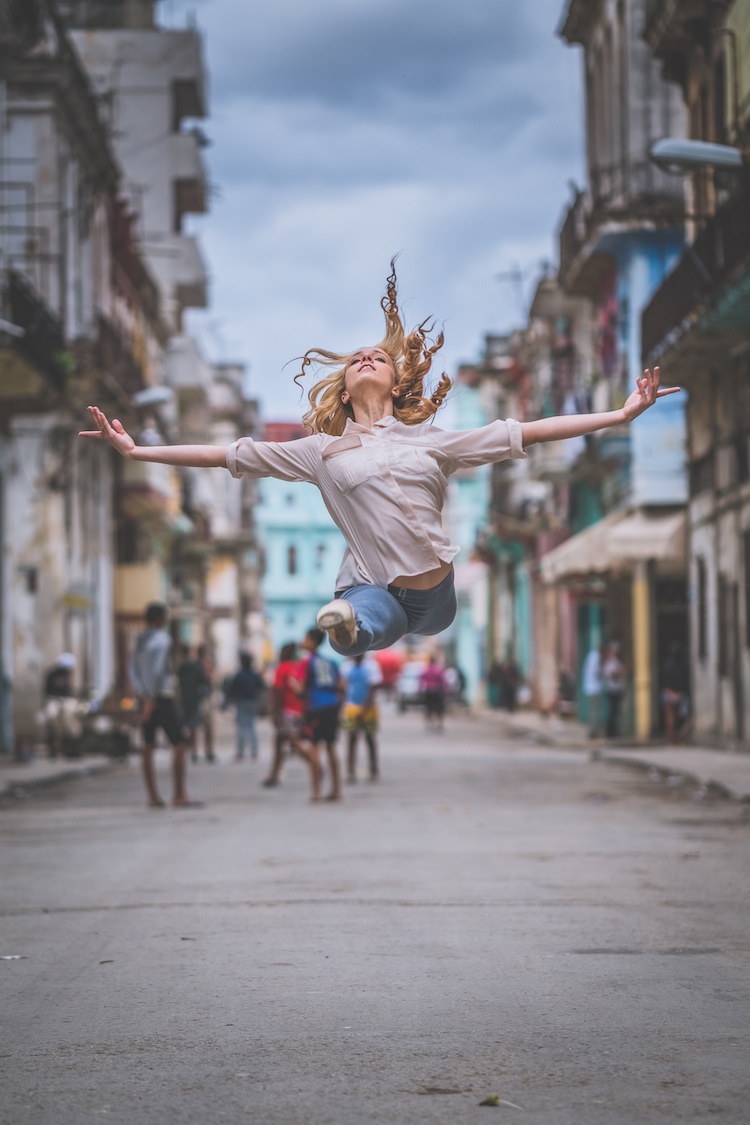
x: 382, y: 468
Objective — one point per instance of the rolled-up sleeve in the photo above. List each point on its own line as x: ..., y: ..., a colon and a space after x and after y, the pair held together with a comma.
x: 466, y: 449
x: 286, y: 460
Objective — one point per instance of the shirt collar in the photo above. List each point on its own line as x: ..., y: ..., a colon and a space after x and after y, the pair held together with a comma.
x: 353, y: 427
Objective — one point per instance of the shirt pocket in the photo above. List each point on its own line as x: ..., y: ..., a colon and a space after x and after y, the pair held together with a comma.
x: 350, y: 468
x: 414, y: 459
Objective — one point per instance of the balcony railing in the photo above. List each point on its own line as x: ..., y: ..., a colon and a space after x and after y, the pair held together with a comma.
x: 42, y: 344
x: 625, y: 195
x: 719, y: 252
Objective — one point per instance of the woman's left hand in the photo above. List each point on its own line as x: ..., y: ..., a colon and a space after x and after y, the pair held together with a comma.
x: 646, y: 394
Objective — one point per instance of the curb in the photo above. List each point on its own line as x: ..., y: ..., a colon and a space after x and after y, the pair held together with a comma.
x: 688, y: 777
x: 20, y: 785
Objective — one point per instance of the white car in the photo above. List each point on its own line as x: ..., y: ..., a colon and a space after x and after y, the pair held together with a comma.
x: 408, y: 691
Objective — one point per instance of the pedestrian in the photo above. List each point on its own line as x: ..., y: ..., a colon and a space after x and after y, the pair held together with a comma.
x: 206, y: 709
x: 614, y: 679
x: 456, y: 682
x: 153, y: 682
x: 244, y: 691
x: 511, y: 681
x: 382, y: 468
x: 322, y: 694
x: 495, y: 676
x: 362, y: 677
x: 675, y: 692
x: 62, y: 712
x: 592, y: 687
x: 434, y: 689
x: 194, y: 685
x: 287, y: 711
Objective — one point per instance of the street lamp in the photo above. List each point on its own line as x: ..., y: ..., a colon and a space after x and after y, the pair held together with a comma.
x: 681, y: 157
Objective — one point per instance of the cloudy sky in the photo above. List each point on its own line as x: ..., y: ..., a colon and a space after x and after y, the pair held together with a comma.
x: 344, y: 131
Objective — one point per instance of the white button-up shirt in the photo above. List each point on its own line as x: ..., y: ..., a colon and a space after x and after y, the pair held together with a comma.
x: 384, y: 487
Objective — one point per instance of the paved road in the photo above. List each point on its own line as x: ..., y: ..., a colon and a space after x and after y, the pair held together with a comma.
x: 492, y: 918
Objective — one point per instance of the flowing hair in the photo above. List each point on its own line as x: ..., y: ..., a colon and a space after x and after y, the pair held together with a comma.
x: 411, y: 355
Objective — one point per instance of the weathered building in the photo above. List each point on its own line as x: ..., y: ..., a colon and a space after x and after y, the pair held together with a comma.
x: 620, y: 237
x: 697, y: 326
x: 152, y: 83
x: 80, y: 323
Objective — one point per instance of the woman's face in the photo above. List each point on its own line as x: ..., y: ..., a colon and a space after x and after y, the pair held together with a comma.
x: 369, y: 368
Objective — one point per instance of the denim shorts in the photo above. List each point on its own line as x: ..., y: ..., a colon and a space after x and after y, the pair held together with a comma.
x: 386, y: 615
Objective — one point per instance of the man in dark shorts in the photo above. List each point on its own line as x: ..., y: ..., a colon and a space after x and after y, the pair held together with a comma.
x: 154, y: 683
x: 323, y: 697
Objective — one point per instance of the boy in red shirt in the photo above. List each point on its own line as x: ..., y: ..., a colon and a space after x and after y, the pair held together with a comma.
x: 287, y: 709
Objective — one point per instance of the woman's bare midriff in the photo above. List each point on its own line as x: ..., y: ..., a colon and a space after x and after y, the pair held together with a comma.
x: 426, y: 581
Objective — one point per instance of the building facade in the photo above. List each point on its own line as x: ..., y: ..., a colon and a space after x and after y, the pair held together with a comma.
x: 697, y: 325
x: 151, y: 82
x: 620, y: 237
x: 80, y: 323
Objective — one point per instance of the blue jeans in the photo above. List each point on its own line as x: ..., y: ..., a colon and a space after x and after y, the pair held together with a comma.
x: 386, y: 615
x: 247, y: 709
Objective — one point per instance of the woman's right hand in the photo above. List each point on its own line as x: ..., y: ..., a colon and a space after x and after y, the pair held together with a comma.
x: 113, y: 432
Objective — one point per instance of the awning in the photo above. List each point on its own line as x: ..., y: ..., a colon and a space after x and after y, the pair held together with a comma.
x: 616, y: 542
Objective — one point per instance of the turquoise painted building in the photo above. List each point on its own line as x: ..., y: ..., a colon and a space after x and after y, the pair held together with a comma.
x: 466, y: 519
x: 301, y: 550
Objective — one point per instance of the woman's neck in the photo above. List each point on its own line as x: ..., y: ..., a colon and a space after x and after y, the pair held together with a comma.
x: 370, y: 410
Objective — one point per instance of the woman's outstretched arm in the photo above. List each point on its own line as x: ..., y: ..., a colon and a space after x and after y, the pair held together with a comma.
x: 576, y: 425
x: 190, y: 456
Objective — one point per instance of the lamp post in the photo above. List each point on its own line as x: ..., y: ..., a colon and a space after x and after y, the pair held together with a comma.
x: 681, y: 157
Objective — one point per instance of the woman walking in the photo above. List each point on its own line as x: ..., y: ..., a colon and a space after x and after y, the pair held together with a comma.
x: 382, y: 468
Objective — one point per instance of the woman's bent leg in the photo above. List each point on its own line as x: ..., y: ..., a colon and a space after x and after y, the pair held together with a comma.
x: 381, y: 621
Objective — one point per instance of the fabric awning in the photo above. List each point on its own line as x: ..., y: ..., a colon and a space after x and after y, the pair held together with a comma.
x: 616, y: 542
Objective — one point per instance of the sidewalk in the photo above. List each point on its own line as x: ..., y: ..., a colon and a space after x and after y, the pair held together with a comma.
x: 722, y: 770
x: 18, y: 778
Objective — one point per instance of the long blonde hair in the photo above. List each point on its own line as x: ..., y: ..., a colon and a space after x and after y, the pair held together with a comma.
x: 411, y: 355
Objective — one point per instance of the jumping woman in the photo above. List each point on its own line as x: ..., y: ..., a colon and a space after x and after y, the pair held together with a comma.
x: 382, y: 468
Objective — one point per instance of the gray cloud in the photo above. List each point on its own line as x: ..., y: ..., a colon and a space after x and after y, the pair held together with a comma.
x: 346, y: 131
x: 365, y: 54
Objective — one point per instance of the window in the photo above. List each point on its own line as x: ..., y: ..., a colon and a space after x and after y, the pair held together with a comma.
x: 702, y: 609
x: 291, y: 560
x: 702, y: 474
x: 742, y: 458
x: 320, y: 554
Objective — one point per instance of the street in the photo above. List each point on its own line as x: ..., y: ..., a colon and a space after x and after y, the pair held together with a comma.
x: 493, y: 917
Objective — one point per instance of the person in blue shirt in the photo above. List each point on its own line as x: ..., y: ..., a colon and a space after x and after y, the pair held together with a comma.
x: 244, y: 691
x: 322, y: 698
x: 361, y: 715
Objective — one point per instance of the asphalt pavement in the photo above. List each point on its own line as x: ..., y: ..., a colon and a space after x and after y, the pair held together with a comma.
x: 498, y: 918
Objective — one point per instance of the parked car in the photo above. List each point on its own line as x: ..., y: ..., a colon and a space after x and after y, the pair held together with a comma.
x: 408, y: 693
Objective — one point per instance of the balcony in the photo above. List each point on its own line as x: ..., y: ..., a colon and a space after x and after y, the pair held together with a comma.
x: 177, y: 263
x: 149, y: 494
x: 36, y: 361
x: 706, y: 296
x: 108, y: 354
x: 671, y: 29
x: 21, y: 24
x: 189, y: 175
x: 620, y: 199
